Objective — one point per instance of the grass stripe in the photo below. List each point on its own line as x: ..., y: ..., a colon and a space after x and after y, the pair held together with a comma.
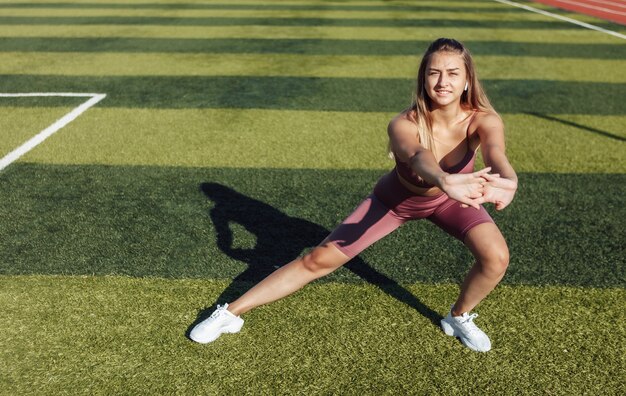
x: 53, y: 128
x: 382, y: 14
x: 268, y: 6
x: 449, y: 12
x: 304, y: 139
x: 366, y: 3
x: 496, y: 23
x: 156, y: 221
x: 326, y: 94
x: 303, y: 46
x: 408, y: 34
x: 347, y: 66
x: 117, y: 335
x: 19, y: 124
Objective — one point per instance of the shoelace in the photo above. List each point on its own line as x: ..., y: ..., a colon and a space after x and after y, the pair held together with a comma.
x: 218, y: 311
x: 469, y: 325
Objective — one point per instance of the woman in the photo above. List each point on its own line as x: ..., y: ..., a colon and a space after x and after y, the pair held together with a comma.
x: 433, y: 143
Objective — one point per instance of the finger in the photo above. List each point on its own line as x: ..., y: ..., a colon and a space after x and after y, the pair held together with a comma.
x: 500, y: 205
x: 482, y: 171
x: 467, y: 201
x: 491, y: 176
x: 478, y: 180
x: 475, y: 202
x: 479, y: 201
x: 476, y: 194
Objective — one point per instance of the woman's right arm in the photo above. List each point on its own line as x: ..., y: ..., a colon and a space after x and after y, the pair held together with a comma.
x: 465, y: 188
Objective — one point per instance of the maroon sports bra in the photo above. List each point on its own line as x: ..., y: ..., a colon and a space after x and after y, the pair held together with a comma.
x: 466, y: 165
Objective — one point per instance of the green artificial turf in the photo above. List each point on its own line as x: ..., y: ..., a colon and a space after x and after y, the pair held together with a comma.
x: 380, y: 14
x: 18, y: 124
x: 116, y: 335
x: 328, y: 66
x: 302, y: 46
x: 234, y: 136
x: 510, y: 35
x: 176, y: 222
x: 307, y: 139
x: 513, y: 20
x: 321, y: 94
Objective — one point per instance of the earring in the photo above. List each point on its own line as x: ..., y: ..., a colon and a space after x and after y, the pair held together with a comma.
x: 465, y: 86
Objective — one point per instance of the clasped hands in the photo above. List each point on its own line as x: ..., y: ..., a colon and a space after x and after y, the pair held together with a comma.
x: 473, y: 189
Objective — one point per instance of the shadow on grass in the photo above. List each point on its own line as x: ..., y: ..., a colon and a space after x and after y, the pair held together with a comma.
x: 280, y: 239
x: 579, y: 126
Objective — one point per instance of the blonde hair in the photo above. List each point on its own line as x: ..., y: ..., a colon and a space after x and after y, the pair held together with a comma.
x: 421, y: 106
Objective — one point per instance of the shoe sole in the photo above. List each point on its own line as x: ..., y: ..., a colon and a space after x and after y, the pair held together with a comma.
x: 228, y: 330
x: 449, y: 330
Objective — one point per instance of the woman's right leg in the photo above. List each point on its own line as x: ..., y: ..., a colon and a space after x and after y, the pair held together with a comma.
x: 290, y: 278
x: 282, y: 282
x: 369, y: 222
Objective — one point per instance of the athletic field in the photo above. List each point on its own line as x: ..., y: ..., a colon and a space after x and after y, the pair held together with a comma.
x: 205, y: 143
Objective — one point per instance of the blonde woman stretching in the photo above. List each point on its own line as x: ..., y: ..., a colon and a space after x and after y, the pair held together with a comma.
x: 434, y: 143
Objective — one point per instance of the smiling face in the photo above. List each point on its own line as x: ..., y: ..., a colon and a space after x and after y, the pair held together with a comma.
x: 445, y: 78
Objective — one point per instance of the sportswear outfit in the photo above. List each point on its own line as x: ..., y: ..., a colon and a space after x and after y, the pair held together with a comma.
x: 392, y: 204
x: 389, y: 206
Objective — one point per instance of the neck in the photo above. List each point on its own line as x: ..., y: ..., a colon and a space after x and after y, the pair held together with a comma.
x: 447, y: 115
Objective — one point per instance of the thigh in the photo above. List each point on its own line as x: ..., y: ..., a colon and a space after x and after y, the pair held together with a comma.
x: 457, y: 220
x: 487, y: 244
x: 369, y: 222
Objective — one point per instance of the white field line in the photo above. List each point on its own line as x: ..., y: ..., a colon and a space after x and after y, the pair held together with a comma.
x: 563, y: 18
x: 58, y: 124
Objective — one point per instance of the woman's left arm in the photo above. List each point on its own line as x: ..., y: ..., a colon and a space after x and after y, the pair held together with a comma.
x: 502, y: 184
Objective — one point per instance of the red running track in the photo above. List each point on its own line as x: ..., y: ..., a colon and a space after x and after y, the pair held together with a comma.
x: 610, y: 10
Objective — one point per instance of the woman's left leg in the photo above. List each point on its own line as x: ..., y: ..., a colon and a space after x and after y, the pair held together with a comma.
x: 492, y: 258
x: 480, y: 234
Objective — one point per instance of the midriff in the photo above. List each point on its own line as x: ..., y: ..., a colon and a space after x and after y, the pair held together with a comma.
x: 423, y: 191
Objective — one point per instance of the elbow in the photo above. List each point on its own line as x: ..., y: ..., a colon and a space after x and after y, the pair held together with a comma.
x: 405, y: 154
x: 414, y: 156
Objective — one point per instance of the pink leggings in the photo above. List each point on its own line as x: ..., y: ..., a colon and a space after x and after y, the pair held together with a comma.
x: 391, y: 205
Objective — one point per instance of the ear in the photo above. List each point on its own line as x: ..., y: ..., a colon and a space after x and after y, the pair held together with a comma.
x: 466, y: 85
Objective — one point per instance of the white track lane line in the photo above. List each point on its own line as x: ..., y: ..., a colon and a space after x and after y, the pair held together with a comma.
x: 570, y: 20
x: 58, y: 124
x: 611, y: 3
x: 591, y: 7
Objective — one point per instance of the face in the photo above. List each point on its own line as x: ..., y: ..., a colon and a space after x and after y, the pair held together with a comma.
x: 445, y: 78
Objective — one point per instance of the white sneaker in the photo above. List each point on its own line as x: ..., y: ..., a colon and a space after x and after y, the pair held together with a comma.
x: 220, y: 321
x: 463, y: 327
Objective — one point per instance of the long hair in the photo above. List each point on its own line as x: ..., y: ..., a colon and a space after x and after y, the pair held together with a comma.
x: 421, y: 106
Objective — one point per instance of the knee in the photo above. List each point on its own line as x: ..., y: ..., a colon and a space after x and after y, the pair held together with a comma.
x: 495, y: 261
x: 317, y: 263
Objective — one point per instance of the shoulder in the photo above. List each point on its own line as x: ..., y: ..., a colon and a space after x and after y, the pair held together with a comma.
x: 401, y: 124
x: 486, y: 122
